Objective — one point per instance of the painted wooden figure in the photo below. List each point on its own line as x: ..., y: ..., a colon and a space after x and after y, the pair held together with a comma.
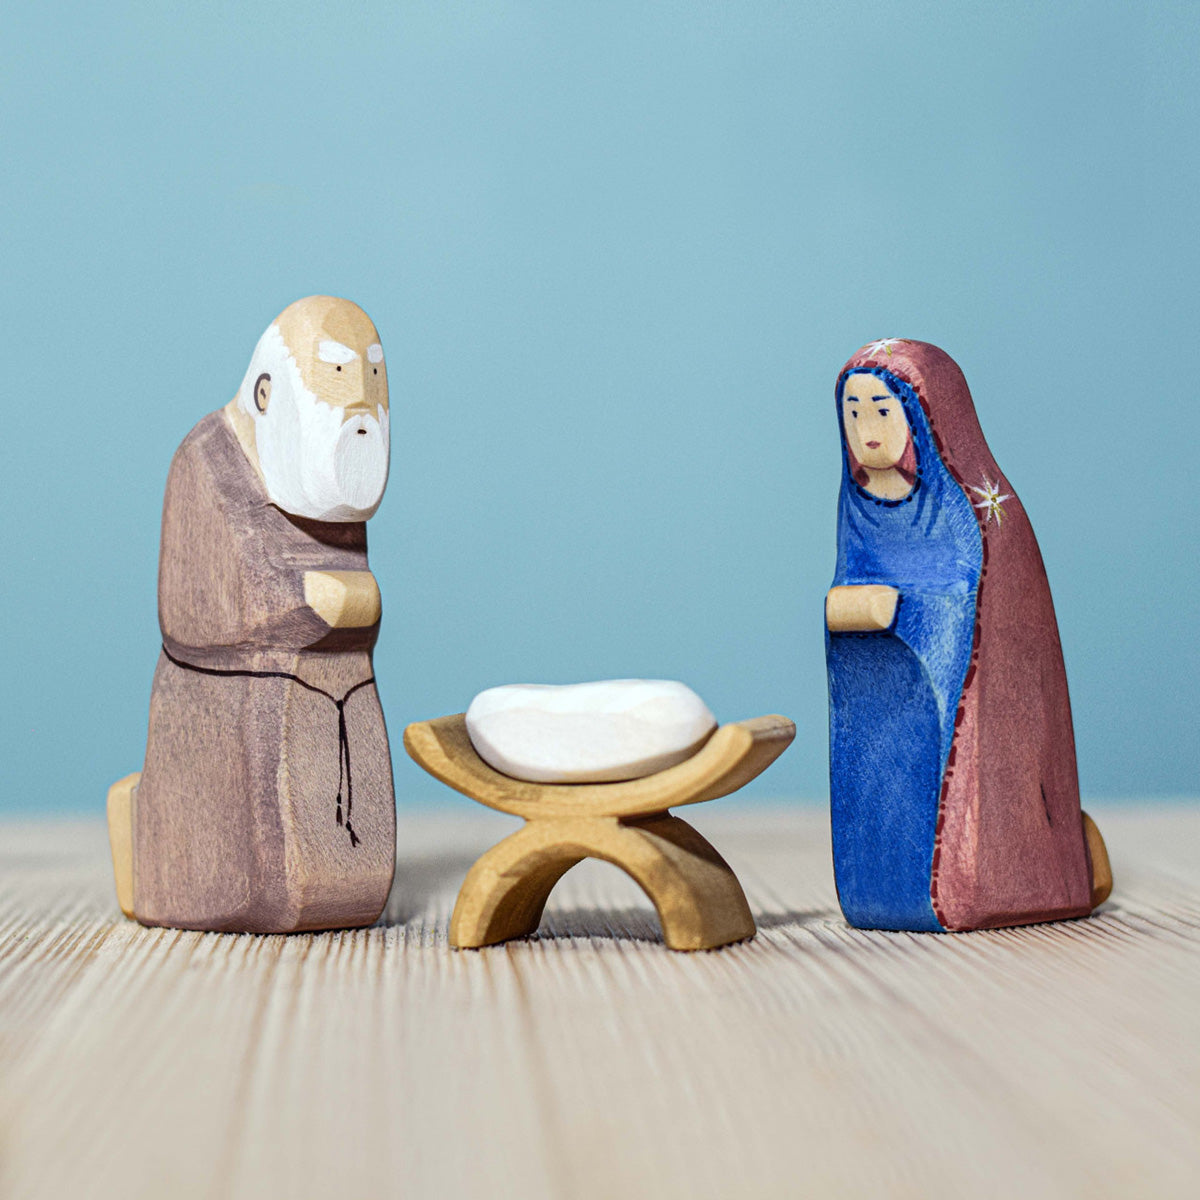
x: 266, y: 803
x: 953, y: 779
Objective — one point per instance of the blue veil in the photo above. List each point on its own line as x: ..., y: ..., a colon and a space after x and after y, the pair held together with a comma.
x: 893, y: 695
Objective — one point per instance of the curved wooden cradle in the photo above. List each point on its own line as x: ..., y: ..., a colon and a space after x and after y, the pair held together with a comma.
x: 699, y: 901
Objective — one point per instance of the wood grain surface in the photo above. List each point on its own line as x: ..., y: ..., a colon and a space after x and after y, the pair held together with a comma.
x: 817, y: 1060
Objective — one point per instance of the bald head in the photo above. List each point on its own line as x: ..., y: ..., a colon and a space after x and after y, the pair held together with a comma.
x: 312, y: 411
x: 338, y: 352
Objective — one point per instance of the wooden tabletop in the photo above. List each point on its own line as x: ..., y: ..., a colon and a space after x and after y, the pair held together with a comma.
x: 817, y: 1060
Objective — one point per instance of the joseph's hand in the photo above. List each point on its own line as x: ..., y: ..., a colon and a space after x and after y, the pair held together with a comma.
x: 343, y: 599
x: 861, y: 608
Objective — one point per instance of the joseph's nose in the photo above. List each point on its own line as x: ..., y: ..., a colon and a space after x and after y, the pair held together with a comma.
x: 358, y: 409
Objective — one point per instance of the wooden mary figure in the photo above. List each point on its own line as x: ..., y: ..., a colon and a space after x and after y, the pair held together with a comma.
x: 955, y: 798
x: 265, y: 804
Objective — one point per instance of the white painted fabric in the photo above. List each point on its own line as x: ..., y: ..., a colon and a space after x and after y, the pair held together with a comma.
x: 588, y: 732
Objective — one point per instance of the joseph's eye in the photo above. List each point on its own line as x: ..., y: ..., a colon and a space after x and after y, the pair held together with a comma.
x: 374, y: 370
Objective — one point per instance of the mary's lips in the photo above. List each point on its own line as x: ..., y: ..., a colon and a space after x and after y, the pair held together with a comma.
x: 872, y: 445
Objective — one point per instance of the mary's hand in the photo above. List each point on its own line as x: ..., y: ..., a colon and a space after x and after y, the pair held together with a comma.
x: 861, y: 608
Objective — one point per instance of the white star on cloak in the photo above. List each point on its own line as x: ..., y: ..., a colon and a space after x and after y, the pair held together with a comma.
x: 884, y: 345
x: 992, y: 500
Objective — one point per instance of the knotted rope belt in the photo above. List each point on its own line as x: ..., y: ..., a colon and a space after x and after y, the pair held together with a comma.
x: 340, y: 705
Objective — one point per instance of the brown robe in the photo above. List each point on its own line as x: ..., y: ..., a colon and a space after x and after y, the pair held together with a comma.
x: 244, y: 819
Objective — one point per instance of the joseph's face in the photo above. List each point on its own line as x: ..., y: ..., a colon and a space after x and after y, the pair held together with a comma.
x: 339, y: 355
x: 874, y: 421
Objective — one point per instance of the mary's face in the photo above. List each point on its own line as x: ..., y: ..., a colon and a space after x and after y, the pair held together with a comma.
x: 874, y: 420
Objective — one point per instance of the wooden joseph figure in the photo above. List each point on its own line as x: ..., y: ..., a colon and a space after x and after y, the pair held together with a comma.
x: 265, y: 804
x: 953, y: 779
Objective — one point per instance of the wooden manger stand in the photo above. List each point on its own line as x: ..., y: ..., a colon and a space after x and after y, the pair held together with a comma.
x: 699, y: 901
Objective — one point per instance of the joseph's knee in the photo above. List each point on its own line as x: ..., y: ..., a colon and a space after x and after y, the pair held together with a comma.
x: 120, y: 837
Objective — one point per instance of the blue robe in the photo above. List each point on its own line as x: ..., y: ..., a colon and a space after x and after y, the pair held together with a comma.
x: 893, y: 695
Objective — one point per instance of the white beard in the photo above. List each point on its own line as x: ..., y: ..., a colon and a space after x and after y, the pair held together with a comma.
x: 314, y: 463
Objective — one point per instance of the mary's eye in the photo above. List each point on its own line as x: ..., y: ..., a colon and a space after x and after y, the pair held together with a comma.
x: 854, y: 413
x: 883, y: 412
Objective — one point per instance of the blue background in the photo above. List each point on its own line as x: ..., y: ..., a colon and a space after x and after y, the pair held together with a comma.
x: 617, y: 254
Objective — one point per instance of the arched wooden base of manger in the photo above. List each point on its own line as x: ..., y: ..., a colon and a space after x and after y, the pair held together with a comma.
x: 699, y: 901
